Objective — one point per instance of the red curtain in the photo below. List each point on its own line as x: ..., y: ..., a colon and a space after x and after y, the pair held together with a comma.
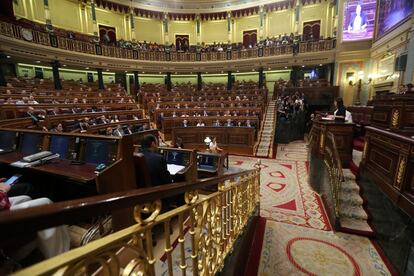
x: 312, y: 30
x: 249, y: 38
x: 182, y: 42
x: 107, y: 34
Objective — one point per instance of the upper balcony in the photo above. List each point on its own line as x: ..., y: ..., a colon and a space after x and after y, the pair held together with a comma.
x: 35, y: 44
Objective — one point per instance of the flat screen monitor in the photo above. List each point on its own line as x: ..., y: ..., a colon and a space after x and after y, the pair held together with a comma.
x: 207, y: 161
x: 99, y: 151
x: 61, y: 145
x: 391, y: 13
x: 175, y: 157
x: 30, y: 143
x: 7, y: 141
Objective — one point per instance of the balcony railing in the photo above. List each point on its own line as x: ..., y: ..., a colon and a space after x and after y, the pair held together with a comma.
x: 52, y: 40
x: 208, y: 228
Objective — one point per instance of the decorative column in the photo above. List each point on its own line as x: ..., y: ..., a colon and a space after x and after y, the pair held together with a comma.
x: 56, y: 77
x: 100, y: 79
x: 165, y: 26
x: 49, y: 26
x: 95, y: 24
x: 198, y: 29
x: 2, y: 75
x: 262, y: 20
x: 229, y: 30
x: 335, y: 25
x: 132, y: 23
x: 229, y: 80
x: 409, y: 69
x: 199, y: 81
x: 297, y: 17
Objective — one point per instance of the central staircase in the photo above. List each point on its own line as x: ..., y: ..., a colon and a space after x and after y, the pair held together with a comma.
x: 267, y: 133
x: 353, y: 217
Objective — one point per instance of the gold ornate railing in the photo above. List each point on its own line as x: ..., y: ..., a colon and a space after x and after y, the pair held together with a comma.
x: 208, y: 224
x: 44, y: 38
x: 333, y: 163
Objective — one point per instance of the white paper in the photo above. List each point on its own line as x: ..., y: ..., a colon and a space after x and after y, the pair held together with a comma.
x: 174, y: 169
x: 21, y: 164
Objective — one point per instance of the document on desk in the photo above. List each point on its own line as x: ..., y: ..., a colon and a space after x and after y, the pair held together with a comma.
x: 21, y: 164
x: 174, y: 169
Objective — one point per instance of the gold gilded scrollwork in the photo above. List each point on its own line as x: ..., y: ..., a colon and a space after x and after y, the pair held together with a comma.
x: 395, y: 118
x: 191, y: 197
x: 400, y: 173
x: 151, y: 209
x: 322, y: 141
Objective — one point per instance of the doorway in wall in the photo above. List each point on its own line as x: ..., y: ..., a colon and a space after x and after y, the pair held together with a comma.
x: 311, y: 30
x: 249, y: 38
x: 107, y: 34
x: 182, y: 42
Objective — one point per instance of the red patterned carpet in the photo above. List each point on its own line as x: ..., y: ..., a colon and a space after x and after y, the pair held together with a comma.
x: 292, y: 250
x: 285, y: 193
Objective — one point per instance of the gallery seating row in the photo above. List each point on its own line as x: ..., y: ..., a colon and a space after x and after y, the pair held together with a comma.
x: 11, y: 111
x: 169, y: 123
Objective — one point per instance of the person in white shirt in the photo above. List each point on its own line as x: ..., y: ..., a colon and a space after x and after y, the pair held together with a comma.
x: 200, y: 124
x: 213, y: 146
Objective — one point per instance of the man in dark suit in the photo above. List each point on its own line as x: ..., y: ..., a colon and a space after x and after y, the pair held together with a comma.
x: 156, y: 163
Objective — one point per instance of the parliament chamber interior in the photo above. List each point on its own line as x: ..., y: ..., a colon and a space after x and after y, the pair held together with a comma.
x: 195, y: 137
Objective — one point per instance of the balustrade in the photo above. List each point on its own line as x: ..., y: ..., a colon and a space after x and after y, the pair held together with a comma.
x: 44, y: 38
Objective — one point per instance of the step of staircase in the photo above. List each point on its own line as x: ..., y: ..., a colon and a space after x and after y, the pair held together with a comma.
x: 266, y: 136
x: 350, y: 198
x: 356, y: 226
x: 347, y: 210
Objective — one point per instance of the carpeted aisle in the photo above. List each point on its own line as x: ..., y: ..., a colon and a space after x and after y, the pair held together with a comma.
x: 285, y: 193
x: 292, y: 250
x: 298, y: 239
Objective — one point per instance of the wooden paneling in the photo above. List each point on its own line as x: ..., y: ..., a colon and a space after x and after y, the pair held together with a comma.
x: 343, y: 132
x: 394, y: 112
x: 389, y: 160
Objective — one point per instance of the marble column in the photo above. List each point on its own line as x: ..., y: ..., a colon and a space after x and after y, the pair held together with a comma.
x: 168, y: 81
x: 261, y: 78
x: 136, y: 83
x: 199, y: 81
x: 56, y: 77
x: 229, y: 80
x: 100, y: 79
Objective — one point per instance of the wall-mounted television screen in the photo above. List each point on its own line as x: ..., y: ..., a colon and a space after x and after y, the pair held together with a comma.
x: 391, y: 13
x: 359, y: 20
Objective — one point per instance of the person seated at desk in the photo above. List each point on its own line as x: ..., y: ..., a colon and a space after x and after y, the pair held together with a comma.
x: 51, y: 242
x: 213, y: 147
x: 341, y: 110
x: 119, y: 131
x: 178, y: 143
x: 156, y: 163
